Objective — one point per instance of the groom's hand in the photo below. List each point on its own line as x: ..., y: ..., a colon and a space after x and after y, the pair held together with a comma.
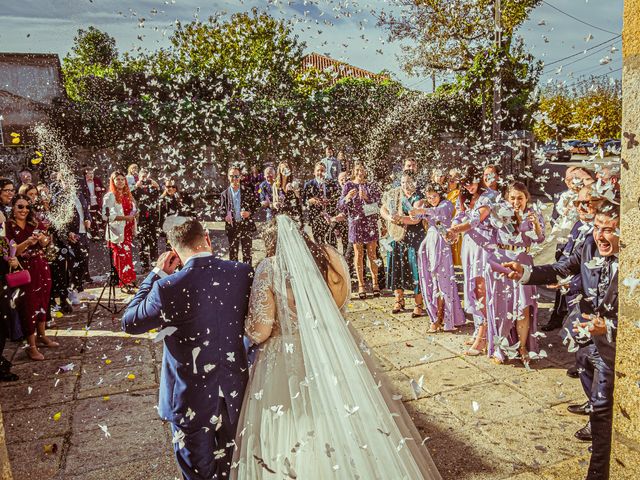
x: 168, y: 262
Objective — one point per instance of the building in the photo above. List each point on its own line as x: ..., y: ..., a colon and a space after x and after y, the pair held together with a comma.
x: 338, y: 69
x: 29, y: 84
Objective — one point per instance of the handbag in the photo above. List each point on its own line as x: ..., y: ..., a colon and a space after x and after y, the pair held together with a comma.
x: 370, y: 209
x: 18, y: 279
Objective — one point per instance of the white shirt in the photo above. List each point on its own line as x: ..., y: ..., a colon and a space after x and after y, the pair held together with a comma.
x: 76, y: 200
x: 161, y: 273
x: 93, y: 200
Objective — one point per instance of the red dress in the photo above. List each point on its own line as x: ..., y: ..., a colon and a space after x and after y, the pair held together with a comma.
x: 122, y: 252
x: 34, y: 303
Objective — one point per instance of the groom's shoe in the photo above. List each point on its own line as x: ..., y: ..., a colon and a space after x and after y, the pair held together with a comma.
x: 579, y: 409
x: 584, y: 433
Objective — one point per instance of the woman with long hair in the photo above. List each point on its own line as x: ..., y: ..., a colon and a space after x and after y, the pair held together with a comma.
x: 286, y: 193
x: 474, y: 208
x: 359, y: 202
x: 514, y: 312
x: 31, y: 240
x: 453, y: 192
x: 119, y: 209
x: 7, y: 191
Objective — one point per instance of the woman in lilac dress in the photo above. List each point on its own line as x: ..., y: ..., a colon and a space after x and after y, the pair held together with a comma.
x: 359, y: 202
x: 514, y: 316
x: 474, y: 208
x: 435, y: 263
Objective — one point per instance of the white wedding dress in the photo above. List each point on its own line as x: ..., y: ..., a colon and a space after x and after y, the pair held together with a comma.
x: 315, y: 408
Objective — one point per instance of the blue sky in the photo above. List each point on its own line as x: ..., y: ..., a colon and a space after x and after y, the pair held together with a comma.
x: 343, y: 29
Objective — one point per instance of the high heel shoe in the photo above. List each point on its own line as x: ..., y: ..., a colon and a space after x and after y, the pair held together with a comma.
x: 362, y: 293
x: 376, y: 291
x: 474, y: 352
x: 398, y: 306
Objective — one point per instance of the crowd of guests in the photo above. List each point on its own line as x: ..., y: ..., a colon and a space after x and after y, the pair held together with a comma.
x: 475, y: 230
x: 460, y: 241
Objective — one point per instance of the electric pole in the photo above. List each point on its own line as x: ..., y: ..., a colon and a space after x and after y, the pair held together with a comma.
x: 497, y: 84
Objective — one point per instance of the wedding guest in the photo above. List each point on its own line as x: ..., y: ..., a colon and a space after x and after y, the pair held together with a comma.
x: 253, y: 179
x: 320, y: 196
x: 45, y: 196
x: 407, y: 234
x: 331, y: 164
x: 340, y: 226
x: 453, y: 192
x: 345, y: 164
x: 77, y: 236
x: 609, y: 174
x: 7, y: 262
x: 359, y: 202
x: 565, y: 216
x: 287, y: 197
x: 238, y: 203
x: 491, y: 180
x: 93, y: 190
x: 410, y: 165
x: 132, y: 176
x: 474, y: 208
x: 147, y: 196
x: 438, y: 177
x: 596, y: 319
x: 119, y: 209
x: 265, y: 191
x: 435, y: 262
x: 7, y: 191
x: 172, y: 203
x: 514, y: 313
x: 25, y: 176
x: 31, y: 240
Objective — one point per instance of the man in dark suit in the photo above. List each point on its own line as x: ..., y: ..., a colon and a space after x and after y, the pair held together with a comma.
x: 147, y: 195
x: 93, y: 191
x: 201, y: 310
x: 596, y: 319
x: 238, y: 205
x: 76, y: 232
x: 320, y: 196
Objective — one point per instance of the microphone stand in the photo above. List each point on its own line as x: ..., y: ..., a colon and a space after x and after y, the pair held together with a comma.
x: 112, y: 282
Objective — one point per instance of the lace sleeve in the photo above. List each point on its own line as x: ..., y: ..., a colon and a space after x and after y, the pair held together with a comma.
x: 262, y: 305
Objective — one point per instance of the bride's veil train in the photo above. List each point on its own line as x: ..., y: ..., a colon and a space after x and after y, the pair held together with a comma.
x: 315, y: 407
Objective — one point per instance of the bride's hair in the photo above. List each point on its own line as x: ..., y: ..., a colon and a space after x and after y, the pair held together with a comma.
x: 270, y: 237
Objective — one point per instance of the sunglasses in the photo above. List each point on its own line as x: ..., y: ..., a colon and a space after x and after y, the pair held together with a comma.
x: 23, y: 207
x: 234, y: 176
x: 8, y: 189
x: 172, y: 188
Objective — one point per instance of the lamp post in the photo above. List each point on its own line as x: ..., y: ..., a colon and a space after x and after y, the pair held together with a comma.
x: 1, y: 132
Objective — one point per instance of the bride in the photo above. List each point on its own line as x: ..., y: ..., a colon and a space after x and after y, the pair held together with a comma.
x: 315, y: 407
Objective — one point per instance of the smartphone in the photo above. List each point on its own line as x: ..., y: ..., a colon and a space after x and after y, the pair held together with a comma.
x: 36, y: 232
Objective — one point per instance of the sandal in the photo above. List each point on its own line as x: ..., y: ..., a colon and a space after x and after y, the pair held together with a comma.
x: 497, y: 361
x: 524, y: 358
x: 376, y: 291
x: 47, y: 342
x: 34, y: 354
x: 418, y: 312
x: 475, y: 352
x: 362, y: 293
x: 398, y: 306
x: 434, y: 328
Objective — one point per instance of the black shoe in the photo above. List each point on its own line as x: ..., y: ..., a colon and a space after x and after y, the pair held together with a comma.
x: 590, y: 449
x: 551, y: 326
x: 579, y: 409
x: 8, y: 377
x: 584, y: 433
x: 5, y: 365
x: 573, y: 372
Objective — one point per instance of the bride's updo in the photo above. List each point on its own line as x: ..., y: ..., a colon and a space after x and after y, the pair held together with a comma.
x: 270, y: 237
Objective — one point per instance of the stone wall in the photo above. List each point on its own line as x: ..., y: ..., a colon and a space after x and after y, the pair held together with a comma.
x: 625, y: 456
x: 5, y: 467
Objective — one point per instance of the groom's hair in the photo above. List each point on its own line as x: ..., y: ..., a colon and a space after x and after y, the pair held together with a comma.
x: 188, y: 235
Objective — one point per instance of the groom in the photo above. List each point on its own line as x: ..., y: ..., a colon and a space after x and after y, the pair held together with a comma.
x: 201, y: 310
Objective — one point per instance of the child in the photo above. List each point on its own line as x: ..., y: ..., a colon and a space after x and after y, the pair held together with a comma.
x: 515, y: 309
x: 435, y: 263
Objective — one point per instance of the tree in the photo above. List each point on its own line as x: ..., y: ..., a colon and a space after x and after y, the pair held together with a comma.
x: 554, y: 118
x: 442, y: 36
x: 598, y: 109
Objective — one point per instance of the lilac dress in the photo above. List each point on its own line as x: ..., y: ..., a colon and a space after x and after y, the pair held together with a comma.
x: 362, y: 228
x: 474, y: 257
x: 435, y: 265
x: 510, y: 298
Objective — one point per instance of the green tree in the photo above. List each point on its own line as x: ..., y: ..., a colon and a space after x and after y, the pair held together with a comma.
x: 442, y: 36
x: 598, y: 109
x: 554, y: 118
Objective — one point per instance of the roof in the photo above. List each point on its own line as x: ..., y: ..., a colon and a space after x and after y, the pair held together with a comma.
x: 342, y: 69
x: 33, y: 76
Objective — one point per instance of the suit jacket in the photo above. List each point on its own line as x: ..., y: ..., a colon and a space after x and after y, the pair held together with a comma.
x: 74, y: 225
x: 98, y: 188
x: 312, y: 189
x: 577, y: 264
x: 248, y: 202
x: 207, y: 303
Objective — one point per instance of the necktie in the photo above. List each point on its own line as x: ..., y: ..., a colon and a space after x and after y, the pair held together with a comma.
x: 605, y: 279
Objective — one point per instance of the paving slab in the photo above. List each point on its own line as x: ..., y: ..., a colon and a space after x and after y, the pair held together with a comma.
x: 100, y: 380
x: 413, y: 352
x: 159, y: 468
x: 448, y: 374
x: 551, y: 387
x: 389, y: 332
x: 30, y: 460
x: 37, y: 394
x: 32, y: 424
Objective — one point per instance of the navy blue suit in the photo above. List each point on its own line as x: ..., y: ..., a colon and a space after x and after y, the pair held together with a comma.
x: 596, y: 362
x: 204, y: 364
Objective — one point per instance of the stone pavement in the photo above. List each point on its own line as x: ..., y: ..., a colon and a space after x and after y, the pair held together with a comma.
x: 483, y: 421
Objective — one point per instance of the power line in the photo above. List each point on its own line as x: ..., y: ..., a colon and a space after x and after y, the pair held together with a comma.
x: 587, y: 80
x: 581, y: 53
x: 579, y: 20
x: 583, y: 58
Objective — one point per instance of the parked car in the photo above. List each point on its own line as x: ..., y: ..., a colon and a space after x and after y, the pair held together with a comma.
x: 613, y: 147
x: 554, y: 153
x: 583, y: 148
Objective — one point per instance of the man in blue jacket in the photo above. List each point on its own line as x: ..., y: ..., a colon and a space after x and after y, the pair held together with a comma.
x: 201, y: 310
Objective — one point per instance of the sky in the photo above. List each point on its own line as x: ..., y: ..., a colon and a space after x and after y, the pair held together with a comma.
x: 343, y: 29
